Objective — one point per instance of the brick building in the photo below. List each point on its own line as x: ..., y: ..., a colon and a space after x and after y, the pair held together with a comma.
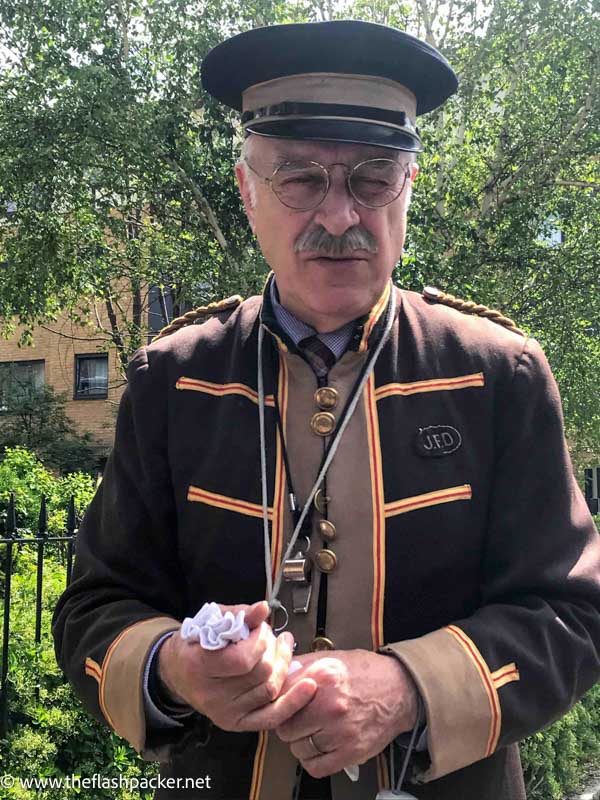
x: 70, y: 359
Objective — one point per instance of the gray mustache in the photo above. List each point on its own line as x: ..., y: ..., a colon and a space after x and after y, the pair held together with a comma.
x: 318, y: 240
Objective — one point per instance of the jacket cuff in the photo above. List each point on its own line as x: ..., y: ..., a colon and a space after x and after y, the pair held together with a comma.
x: 121, y: 686
x: 461, y: 701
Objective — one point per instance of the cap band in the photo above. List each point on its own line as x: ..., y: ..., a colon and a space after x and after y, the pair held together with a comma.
x: 329, y: 87
x: 293, y: 111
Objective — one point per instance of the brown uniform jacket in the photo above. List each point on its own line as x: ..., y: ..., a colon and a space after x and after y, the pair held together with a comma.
x: 463, y: 545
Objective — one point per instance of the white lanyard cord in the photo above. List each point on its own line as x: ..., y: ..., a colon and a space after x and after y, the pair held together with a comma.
x: 263, y: 467
x: 273, y: 590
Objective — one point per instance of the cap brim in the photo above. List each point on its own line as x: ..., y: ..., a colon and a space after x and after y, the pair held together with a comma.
x: 348, y: 131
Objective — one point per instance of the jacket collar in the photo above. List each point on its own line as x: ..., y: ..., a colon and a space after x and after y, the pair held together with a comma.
x: 367, y: 329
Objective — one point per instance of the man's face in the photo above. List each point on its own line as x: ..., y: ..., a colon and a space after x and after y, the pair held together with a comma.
x: 324, y: 290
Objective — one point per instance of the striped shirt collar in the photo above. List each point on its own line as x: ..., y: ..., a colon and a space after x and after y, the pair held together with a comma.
x: 337, y: 341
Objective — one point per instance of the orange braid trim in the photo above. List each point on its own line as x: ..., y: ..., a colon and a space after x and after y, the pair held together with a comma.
x: 201, y: 313
x: 468, y: 307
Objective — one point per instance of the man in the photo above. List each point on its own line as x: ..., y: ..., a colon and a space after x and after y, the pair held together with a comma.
x: 426, y: 545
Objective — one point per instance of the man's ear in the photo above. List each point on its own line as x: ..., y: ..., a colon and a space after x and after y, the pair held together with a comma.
x: 414, y: 171
x: 244, y: 186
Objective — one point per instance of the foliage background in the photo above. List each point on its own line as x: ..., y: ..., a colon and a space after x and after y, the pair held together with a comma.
x: 35, y: 419
x: 52, y: 736
x: 116, y: 168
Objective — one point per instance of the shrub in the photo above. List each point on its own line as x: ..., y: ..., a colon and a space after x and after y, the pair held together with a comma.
x: 53, y: 736
x: 50, y: 734
x: 23, y: 474
x: 555, y: 760
x: 35, y: 418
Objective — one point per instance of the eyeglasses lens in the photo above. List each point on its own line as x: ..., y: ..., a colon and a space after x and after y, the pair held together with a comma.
x: 300, y: 184
x: 377, y: 182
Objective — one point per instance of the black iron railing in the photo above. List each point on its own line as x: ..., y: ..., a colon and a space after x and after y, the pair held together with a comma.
x: 592, y: 489
x: 42, y: 542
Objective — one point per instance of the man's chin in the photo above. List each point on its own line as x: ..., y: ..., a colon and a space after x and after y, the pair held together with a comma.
x: 342, y: 278
x: 342, y: 305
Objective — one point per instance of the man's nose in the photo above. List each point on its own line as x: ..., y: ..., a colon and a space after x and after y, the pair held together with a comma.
x: 337, y: 213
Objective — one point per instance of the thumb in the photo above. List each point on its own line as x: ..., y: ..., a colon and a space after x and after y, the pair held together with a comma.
x: 257, y: 614
x: 254, y: 614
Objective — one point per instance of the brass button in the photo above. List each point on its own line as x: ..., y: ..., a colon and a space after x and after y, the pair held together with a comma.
x: 431, y: 293
x: 322, y: 423
x: 321, y: 501
x: 326, y: 560
x: 326, y: 397
x: 322, y: 643
x: 327, y: 529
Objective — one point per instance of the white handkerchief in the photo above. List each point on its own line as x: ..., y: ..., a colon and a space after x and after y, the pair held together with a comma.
x: 213, y: 629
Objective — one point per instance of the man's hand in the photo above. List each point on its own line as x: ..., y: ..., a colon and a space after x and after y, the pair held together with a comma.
x: 237, y: 687
x: 363, y: 701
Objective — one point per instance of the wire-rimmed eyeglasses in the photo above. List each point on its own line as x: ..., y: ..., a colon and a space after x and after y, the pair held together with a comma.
x: 303, y: 185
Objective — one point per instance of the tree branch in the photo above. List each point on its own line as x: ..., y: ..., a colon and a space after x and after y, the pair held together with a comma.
x: 75, y: 338
x: 429, y: 37
x: 447, y: 26
x: 206, y: 212
x: 124, y: 20
x: 99, y: 321
x: 550, y: 165
x: 116, y: 333
x: 578, y: 184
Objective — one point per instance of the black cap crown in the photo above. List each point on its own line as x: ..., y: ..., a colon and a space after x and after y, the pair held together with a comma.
x: 346, y: 80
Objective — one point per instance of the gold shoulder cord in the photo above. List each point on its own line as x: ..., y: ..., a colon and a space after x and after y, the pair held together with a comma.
x: 200, y: 313
x: 437, y: 296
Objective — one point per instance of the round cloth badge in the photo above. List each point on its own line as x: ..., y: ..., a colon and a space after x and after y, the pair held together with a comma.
x: 437, y: 440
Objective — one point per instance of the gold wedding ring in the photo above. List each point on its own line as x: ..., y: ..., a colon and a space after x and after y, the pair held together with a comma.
x: 315, y: 748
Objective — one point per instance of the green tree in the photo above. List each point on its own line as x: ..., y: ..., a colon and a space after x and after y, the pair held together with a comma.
x: 35, y: 419
x: 23, y: 475
x: 116, y: 169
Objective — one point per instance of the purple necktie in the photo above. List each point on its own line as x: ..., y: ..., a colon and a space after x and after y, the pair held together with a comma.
x: 317, y: 354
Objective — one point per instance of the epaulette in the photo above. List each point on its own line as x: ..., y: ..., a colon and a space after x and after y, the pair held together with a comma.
x: 200, y: 314
x: 468, y: 307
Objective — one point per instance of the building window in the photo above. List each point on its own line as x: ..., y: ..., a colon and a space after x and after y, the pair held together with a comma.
x: 160, y: 310
x: 91, y: 376
x: 551, y: 233
x: 18, y: 379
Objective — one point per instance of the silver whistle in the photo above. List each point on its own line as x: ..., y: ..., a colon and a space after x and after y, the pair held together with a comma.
x: 301, y: 598
x: 297, y: 571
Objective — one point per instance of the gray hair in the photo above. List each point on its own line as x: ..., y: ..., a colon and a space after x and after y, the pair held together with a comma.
x: 250, y: 177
